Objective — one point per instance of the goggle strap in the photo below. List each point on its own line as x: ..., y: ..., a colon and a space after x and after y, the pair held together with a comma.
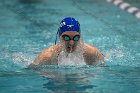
x: 56, y: 37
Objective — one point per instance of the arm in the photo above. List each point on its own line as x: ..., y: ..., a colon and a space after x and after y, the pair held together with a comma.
x: 44, y: 58
x: 93, y: 55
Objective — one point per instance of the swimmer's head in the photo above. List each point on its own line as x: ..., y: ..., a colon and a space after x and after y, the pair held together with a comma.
x: 70, y: 40
x: 68, y: 24
x: 69, y: 33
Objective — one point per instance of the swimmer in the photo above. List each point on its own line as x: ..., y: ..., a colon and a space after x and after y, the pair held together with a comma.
x: 70, y: 44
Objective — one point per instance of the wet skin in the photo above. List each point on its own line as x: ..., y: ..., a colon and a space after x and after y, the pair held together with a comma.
x: 49, y: 56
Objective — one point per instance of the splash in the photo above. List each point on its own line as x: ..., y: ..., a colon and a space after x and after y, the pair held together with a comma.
x: 20, y: 58
x: 72, y: 58
x: 123, y: 57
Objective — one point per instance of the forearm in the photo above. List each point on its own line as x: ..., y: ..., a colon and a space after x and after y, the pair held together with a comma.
x: 39, y: 61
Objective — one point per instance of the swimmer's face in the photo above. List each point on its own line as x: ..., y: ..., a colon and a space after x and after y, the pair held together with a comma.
x: 70, y: 40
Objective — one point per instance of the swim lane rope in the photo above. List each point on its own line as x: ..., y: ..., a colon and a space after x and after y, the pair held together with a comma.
x: 127, y: 7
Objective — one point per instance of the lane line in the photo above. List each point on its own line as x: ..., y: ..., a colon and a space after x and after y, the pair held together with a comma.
x: 127, y: 7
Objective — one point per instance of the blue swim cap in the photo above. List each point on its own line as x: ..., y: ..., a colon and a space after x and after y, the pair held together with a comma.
x: 68, y: 24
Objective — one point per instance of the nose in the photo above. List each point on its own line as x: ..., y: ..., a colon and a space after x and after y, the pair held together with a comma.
x: 71, y: 42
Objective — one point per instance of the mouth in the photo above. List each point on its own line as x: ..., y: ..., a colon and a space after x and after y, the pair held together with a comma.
x: 70, y: 48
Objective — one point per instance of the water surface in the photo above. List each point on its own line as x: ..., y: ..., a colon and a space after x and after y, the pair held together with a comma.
x: 27, y: 28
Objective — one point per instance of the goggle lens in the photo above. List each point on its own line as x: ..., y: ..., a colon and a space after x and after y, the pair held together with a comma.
x: 66, y: 38
x: 76, y: 38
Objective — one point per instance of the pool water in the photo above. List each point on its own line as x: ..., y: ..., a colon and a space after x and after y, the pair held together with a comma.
x: 29, y: 26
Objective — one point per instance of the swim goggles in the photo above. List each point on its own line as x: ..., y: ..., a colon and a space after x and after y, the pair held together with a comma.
x: 67, y: 38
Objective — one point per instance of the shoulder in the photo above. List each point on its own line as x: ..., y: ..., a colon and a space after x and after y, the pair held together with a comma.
x: 50, y: 52
x: 92, y: 54
x: 46, y: 56
x: 90, y: 49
